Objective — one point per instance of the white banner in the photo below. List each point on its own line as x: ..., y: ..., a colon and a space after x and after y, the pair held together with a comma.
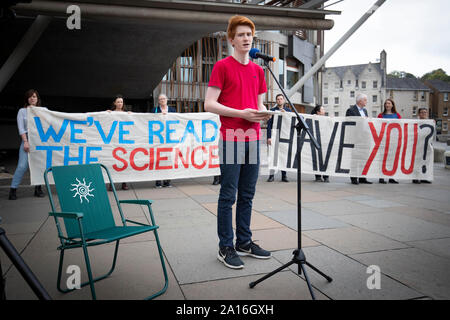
x: 133, y: 146
x: 148, y: 146
x: 355, y: 146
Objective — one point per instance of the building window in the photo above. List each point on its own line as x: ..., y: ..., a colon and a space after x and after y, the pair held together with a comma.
x: 352, y: 94
x: 374, y: 114
x: 349, y: 82
x: 416, y: 96
x: 326, y: 113
x: 336, y: 85
x: 445, y: 111
x: 444, y: 125
x: 446, y: 96
x: 356, y: 83
x: 336, y: 100
x: 336, y: 114
x: 414, y: 110
x: 325, y: 100
x: 374, y: 98
x: 375, y: 84
x: 293, y: 71
x: 422, y: 95
x: 281, y: 66
x: 325, y: 85
x: 363, y: 84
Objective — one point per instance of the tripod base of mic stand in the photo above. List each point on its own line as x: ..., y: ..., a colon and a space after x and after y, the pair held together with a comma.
x: 299, y: 259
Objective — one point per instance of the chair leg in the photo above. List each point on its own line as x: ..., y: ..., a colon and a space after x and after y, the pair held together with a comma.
x: 89, y: 271
x: 166, y: 278
x: 61, y: 260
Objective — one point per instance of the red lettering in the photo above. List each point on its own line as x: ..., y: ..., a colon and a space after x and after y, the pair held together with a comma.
x: 125, y: 163
x: 193, y: 157
x: 179, y: 155
x: 377, y: 139
x: 132, y: 163
x: 151, y: 161
x: 413, y: 155
x: 213, y: 156
x: 159, y: 158
x: 392, y: 126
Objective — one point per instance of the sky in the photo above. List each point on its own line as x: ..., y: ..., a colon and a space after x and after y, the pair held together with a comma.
x: 414, y: 34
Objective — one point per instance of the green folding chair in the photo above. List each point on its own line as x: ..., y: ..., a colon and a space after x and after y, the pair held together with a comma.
x: 88, y: 218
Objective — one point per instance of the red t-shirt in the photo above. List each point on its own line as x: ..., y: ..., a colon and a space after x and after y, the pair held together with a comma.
x: 240, y: 86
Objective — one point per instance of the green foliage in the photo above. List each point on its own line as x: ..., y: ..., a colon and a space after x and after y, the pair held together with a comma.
x: 438, y: 74
x: 402, y: 74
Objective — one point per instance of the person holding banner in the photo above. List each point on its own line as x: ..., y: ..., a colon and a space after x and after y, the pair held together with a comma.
x: 389, y: 112
x: 236, y: 92
x: 32, y: 99
x: 358, y: 110
x: 320, y: 111
x: 118, y: 105
x: 164, y: 109
x: 279, y: 107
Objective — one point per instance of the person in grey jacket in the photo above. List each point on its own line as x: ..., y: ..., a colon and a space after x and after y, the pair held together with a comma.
x: 32, y: 99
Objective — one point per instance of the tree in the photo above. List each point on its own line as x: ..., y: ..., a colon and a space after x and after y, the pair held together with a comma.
x: 438, y: 74
x: 402, y: 74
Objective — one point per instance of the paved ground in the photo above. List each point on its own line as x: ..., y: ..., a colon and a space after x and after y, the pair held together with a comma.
x: 403, y: 229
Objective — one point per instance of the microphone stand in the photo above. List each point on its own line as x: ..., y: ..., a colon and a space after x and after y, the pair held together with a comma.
x: 298, y: 255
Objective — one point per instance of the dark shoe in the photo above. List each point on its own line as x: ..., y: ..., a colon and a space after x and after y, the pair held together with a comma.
x: 354, y: 180
x: 38, y: 192
x: 124, y: 186
x: 425, y: 181
x: 158, y: 184
x: 318, y: 178
x: 230, y: 258
x: 284, y: 179
x: 416, y: 181
x: 326, y: 179
x: 393, y: 181
x: 270, y: 178
x: 364, y: 181
x: 216, y: 180
x: 167, y: 184
x: 382, y: 181
x: 12, y: 194
x: 253, y: 250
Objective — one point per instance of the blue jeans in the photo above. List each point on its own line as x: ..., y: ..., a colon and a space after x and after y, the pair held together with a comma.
x: 22, y: 167
x: 239, y: 174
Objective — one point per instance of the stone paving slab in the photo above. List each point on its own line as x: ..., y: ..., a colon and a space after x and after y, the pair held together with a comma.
x: 310, y: 219
x: 425, y: 272
x: 339, y: 207
x: 438, y: 247
x: 349, y: 277
x: 353, y: 240
x: 284, y: 286
x: 397, y: 227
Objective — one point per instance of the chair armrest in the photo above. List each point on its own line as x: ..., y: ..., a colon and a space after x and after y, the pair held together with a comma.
x: 70, y: 215
x: 137, y: 201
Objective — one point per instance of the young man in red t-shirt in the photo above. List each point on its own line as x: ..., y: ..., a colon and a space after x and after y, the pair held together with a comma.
x: 235, y: 92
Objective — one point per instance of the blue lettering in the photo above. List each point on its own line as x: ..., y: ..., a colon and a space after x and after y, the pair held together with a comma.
x: 152, y: 132
x: 216, y: 130
x: 88, y: 154
x: 106, y: 140
x: 49, y: 156
x: 190, y: 129
x: 123, y: 132
x: 74, y: 131
x: 68, y: 158
x: 44, y: 136
x: 169, y: 131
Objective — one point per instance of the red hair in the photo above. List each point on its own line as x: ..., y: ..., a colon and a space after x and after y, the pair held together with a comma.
x: 236, y: 21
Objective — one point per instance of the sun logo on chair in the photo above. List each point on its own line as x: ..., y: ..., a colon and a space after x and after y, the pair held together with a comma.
x: 82, y: 190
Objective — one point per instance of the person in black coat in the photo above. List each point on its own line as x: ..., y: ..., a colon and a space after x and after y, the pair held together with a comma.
x: 358, y: 110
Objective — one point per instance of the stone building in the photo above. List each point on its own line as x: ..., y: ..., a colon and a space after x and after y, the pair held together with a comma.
x: 341, y: 85
x: 440, y: 104
x: 409, y: 95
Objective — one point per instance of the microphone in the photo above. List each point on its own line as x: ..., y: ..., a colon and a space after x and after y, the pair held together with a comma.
x: 255, y: 53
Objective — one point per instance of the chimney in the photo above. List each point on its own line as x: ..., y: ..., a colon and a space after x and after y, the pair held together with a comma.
x: 383, y: 60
